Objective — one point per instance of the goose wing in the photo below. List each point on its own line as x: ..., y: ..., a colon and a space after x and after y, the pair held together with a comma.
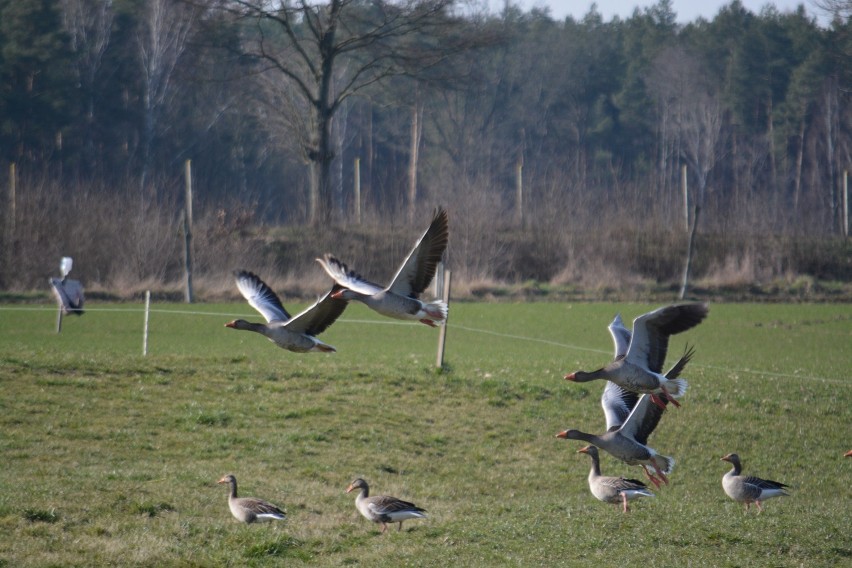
x: 620, y: 336
x: 316, y: 319
x: 617, y: 404
x: 419, y: 268
x: 387, y: 505
x: 651, y: 333
x: 347, y: 278
x: 260, y: 296
x: 643, y: 419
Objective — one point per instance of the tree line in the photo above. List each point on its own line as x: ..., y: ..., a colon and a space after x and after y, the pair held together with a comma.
x: 513, y: 118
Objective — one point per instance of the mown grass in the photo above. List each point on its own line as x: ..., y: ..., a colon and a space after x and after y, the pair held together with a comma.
x: 111, y: 458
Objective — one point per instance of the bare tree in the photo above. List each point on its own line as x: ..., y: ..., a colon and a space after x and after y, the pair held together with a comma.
x: 162, y: 38
x: 89, y: 27
x: 325, y: 53
x: 696, y: 117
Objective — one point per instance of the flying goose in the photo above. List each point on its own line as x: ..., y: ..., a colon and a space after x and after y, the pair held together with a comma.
x: 401, y: 298
x: 612, y: 489
x: 746, y: 488
x: 628, y: 441
x: 640, y: 371
x: 383, y: 508
x: 250, y: 509
x: 292, y: 333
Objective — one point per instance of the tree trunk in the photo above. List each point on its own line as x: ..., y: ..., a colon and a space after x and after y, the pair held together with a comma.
x: 690, y: 251
x: 416, y: 129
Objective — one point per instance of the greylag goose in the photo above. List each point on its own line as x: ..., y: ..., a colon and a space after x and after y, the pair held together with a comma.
x: 68, y: 293
x: 292, y: 333
x: 612, y: 489
x: 401, y: 298
x: 640, y: 370
x: 747, y: 488
x: 616, y: 401
x: 383, y: 508
x: 250, y: 509
x: 628, y: 441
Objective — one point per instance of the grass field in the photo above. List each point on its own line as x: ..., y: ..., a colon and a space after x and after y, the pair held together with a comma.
x: 111, y: 458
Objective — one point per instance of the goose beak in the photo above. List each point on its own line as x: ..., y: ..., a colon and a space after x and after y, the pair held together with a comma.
x: 563, y: 435
x: 231, y: 324
x: 337, y: 295
x: 350, y: 488
x: 571, y: 377
x: 584, y: 450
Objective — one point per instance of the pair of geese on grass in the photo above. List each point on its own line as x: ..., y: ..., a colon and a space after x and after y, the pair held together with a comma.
x: 380, y: 509
x: 634, y: 399
x: 400, y: 299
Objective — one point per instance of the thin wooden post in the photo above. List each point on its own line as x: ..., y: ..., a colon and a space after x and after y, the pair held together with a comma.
x: 357, y: 191
x: 519, y: 193
x: 145, y: 328
x: 187, y: 231
x: 59, y: 319
x: 13, y: 198
x: 685, y: 198
x: 845, y: 203
x: 442, y: 334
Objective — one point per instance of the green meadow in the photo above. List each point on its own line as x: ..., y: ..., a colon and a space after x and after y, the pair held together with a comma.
x: 111, y: 458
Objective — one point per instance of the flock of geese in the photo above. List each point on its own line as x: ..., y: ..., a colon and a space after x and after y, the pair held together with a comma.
x: 634, y: 399
x: 636, y: 394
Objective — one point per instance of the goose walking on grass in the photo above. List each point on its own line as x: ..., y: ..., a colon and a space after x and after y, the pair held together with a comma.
x: 747, y: 488
x: 640, y: 370
x: 612, y: 489
x: 628, y: 441
x: 296, y: 333
x: 383, y: 508
x: 249, y: 509
x: 401, y: 298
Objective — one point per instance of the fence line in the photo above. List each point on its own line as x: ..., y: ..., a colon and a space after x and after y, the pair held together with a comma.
x: 141, y: 311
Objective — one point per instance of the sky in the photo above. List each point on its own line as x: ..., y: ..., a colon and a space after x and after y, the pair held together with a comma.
x: 686, y: 10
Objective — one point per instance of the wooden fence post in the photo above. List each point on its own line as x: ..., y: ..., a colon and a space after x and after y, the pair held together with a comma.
x: 442, y: 334
x: 187, y: 232
x: 357, y: 191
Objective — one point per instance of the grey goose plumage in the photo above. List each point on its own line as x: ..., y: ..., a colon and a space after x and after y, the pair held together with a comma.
x: 401, y: 298
x: 611, y: 489
x: 297, y: 333
x: 383, y: 509
x: 250, y: 509
x: 628, y: 441
x: 749, y: 489
x: 640, y: 370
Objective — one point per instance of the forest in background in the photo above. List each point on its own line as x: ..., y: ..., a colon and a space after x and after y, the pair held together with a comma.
x: 561, y: 148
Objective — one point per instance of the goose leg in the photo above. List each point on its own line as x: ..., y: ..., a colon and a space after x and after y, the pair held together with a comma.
x: 653, y: 479
x: 428, y: 322
x: 659, y: 472
x: 759, y: 507
x: 670, y: 397
x: 658, y: 401
x: 624, y: 501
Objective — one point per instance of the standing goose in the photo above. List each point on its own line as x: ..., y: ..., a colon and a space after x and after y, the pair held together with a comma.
x: 640, y: 370
x: 628, y: 441
x: 249, y: 509
x: 383, y: 508
x: 294, y: 334
x: 401, y: 298
x: 746, y: 488
x: 612, y: 489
